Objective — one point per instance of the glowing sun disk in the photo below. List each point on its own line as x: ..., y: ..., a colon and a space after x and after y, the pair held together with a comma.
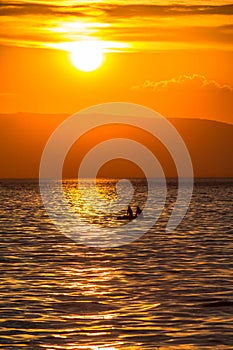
x: 87, y: 56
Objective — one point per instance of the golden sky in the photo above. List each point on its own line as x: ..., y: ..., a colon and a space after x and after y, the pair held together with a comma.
x: 176, y: 58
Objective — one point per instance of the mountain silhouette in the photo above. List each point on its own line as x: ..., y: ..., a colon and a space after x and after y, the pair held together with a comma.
x: 24, y: 136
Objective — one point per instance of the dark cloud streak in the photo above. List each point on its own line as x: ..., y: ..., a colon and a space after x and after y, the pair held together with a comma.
x: 111, y: 10
x: 21, y: 9
x: 139, y: 10
x: 178, y: 34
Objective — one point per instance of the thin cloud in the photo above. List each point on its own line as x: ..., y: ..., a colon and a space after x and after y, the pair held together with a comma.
x: 194, y: 81
x: 188, y: 95
x: 112, y: 10
x: 149, y: 27
x: 22, y: 9
x: 6, y: 94
x: 181, y: 34
x: 140, y: 10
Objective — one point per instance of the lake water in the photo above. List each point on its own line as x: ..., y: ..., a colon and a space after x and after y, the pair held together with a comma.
x: 163, y: 291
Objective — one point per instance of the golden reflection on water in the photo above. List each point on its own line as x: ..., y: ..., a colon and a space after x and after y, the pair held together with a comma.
x: 117, y: 346
x: 180, y: 347
x: 165, y: 291
x: 85, y: 194
x: 101, y: 282
x: 97, y: 201
x: 90, y: 199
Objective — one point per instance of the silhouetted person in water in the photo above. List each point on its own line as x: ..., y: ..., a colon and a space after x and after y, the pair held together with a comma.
x: 138, y: 211
x: 130, y: 212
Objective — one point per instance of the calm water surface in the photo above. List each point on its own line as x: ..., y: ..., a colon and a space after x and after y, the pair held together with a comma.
x: 164, y: 291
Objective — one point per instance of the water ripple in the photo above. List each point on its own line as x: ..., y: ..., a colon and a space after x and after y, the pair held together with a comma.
x: 164, y: 291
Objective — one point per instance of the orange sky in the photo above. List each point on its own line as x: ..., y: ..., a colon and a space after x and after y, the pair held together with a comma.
x: 176, y: 59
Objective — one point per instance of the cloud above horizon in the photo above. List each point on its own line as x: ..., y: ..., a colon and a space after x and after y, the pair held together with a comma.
x: 194, y: 81
x: 189, y: 95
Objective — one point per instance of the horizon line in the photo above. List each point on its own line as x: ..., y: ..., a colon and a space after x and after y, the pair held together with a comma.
x: 114, y: 178
x: 65, y: 114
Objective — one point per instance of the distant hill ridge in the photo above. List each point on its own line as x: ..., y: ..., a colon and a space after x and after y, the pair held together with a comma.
x: 24, y: 135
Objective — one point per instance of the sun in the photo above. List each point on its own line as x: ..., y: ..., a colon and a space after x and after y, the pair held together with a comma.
x: 87, y: 56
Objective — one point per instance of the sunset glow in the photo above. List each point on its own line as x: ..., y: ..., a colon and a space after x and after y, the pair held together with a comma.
x: 146, y: 25
x: 116, y: 175
x: 58, y: 57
